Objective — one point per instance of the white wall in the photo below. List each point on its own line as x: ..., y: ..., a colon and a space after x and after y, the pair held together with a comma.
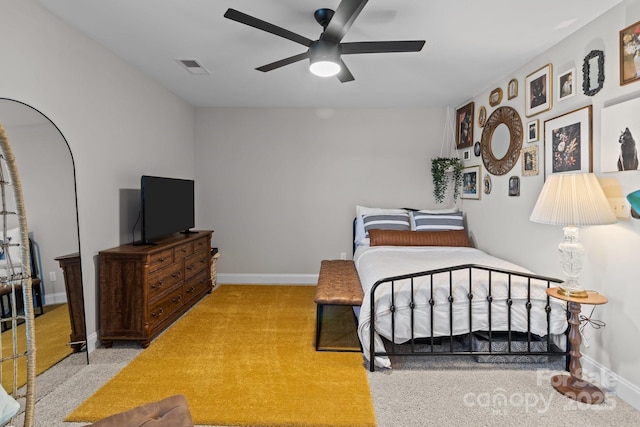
x: 118, y: 123
x: 501, y: 223
x: 280, y: 186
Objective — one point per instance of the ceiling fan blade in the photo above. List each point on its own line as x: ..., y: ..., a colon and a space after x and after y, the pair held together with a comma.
x: 243, y: 18
x: 346, y: 13
x: 283, y: 62
x: 382, y: 47
x: 345, y: 75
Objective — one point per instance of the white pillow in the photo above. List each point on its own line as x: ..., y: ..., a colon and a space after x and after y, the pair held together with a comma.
x: 361, y: 238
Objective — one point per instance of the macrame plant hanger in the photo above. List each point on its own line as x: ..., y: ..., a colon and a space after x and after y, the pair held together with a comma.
x: 448, y: 146
x: 16, y: 357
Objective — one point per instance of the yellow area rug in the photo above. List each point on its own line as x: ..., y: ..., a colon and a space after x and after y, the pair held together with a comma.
x: 244, y: 356
x: 52, y: 335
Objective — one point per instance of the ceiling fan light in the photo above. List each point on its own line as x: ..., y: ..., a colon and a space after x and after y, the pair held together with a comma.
x: 324, y: 68
x: 324, y: 58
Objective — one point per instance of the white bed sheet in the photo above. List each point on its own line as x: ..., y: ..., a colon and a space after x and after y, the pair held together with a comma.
x: 375, y: 263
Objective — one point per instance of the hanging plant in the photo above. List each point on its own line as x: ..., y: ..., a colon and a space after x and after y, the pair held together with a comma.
x: 440, y: 167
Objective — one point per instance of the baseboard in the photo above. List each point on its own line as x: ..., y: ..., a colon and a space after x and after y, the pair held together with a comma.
x: 92, y: 342
x: 611, y: 382
x: 57, y: 298
x: 267, y: 279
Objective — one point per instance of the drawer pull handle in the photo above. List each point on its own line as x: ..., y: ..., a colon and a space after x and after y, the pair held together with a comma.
x: 162, y: 259
x: 176, y: 274
x: 177, y: 299
x: 203, y: 261
x: 157, y: 314
x: 191, y: 289
x: 157, y: 285
x: 190, y: 267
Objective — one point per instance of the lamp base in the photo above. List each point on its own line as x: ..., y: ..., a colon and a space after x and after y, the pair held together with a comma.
x: 581, y: 293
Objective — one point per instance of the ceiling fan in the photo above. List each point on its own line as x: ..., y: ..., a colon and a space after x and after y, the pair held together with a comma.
x: 325, y: 53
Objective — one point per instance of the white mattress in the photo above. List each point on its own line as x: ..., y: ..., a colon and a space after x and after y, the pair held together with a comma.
x: 375, y: 263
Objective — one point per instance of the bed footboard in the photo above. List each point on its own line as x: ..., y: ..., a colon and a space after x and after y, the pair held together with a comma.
x: 467, y: 310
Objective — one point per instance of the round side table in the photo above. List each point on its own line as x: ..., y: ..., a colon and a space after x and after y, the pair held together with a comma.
x: 573, y: 385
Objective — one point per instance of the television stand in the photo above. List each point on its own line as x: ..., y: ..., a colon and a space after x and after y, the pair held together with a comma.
x: 144, y: 289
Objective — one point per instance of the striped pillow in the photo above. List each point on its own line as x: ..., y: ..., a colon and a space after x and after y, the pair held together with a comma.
x: 399, y: 221
x: 442, y: 221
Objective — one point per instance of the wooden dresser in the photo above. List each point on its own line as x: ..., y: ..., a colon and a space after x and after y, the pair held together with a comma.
x: 143, y: 289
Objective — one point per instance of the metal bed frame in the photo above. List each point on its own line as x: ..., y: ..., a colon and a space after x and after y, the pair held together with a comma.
x: 416, y: 345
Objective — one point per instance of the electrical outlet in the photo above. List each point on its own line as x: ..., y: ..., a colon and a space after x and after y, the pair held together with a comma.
x: 52, y: 276
x: 620, y: 206
x: 343, y: 256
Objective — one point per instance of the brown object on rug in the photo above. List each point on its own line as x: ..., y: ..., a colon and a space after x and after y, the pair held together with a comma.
x: 170, y: 412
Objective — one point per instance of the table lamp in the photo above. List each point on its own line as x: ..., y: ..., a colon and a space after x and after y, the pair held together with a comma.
x: 572, y: 200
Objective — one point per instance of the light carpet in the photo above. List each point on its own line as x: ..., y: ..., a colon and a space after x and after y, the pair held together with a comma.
x: 52, y: 331
x: 244, y: 356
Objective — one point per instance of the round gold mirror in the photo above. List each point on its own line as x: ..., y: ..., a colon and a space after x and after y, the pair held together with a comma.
x: 501, y: 140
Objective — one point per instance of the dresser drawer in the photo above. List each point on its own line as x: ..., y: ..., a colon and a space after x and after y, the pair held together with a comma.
x: 160, y: 259
x: 161, y: 281
x: 165, y: 307
x: 201, y: 244
x: 196, y: 285
x: 183, y: 251
x: 195, y: 263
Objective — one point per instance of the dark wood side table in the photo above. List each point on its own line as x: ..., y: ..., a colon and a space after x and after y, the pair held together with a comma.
x: 70, y: 265
x: 573, y: 385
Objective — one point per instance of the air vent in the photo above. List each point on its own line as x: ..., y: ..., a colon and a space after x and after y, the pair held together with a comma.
x: 193, y: 66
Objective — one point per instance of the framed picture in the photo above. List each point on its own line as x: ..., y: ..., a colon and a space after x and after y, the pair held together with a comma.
x: 530, y: 161
x: 487, y: 184
x: 567, y: 84
x: 620, y: 137
x: 514, y: 186
x: 471, y: 182
x: 538, y: 91
x: 567, y: 142
x: 482, y: 116
x: 466, y: 155
x: 464, y: 126
x: 533, y: 133
x: 476, y: 149
x: 512, y: 89
x: 495, y: 97
x: 630, y: 54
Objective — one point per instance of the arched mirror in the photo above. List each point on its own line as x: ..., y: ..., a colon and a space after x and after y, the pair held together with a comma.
x: 501, y: 140
x: 47, y: 173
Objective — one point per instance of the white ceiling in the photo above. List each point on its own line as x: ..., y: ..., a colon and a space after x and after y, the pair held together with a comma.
x: 470, y: 44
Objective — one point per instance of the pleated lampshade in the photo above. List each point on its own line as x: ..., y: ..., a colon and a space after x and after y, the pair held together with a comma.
x: 572, y: 199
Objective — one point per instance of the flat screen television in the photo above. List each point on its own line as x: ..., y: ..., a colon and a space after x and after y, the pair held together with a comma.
x: 167, y: 206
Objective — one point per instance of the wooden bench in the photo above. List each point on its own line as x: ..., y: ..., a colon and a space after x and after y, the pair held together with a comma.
x: 338, y: 284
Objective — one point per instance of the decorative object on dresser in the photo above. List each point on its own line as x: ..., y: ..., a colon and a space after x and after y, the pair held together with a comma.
x: 70, y: 265
x: 143, y: 289
x: 572, y: 200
